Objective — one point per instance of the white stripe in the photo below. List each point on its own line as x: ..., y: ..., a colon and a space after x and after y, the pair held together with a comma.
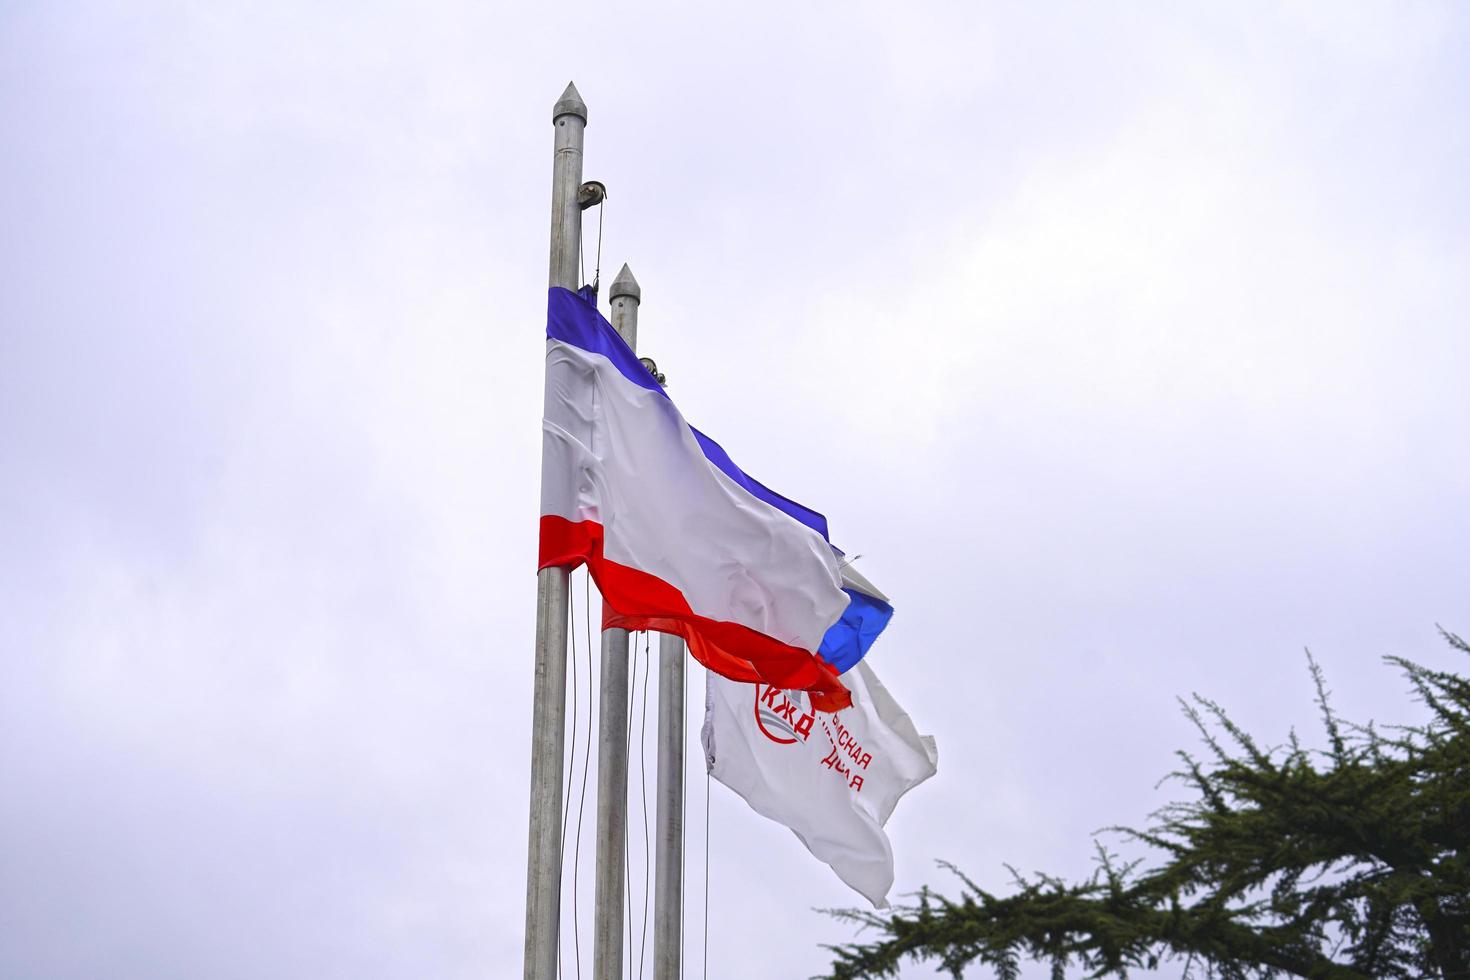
x: 853, y: 579
x: 621, y: 455
x: 810, y: 780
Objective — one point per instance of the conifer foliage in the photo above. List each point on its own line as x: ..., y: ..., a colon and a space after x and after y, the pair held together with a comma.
x: 1345, y: 864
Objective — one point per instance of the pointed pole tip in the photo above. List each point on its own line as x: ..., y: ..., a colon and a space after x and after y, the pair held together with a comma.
x: 626, y: 285
x: 570, y: 104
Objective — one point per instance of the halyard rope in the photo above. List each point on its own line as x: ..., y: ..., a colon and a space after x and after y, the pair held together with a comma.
x: 643, y: 787
x: 586, y: 757
x: 627, y: 858
x: 582, y: 251
x: 683, y: 810
x: 566, y: 796
x: 706, y: 871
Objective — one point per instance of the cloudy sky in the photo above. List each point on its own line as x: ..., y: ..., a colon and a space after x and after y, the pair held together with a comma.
x: 1128, y: 343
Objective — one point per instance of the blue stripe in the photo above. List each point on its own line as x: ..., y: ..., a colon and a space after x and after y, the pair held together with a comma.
x: 572, y: 320
x: 716, y: 454
x: 849, y: 639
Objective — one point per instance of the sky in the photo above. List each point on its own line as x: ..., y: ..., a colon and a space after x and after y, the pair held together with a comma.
x: 1127, y: 343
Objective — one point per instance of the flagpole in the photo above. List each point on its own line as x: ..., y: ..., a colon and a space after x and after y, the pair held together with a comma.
x: 612, y: 731
x: 668, y: 895
x: 548, y: 712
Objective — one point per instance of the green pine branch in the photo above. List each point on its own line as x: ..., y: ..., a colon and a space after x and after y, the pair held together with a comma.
x: 1346, y: 864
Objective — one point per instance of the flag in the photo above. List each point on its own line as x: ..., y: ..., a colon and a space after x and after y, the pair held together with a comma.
x: 834, y: 779
x: 867, y: 614
x: 678, y: 538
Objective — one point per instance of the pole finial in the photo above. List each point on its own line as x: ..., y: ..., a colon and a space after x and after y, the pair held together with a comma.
x: 626, y: 285
x: 570, y: 104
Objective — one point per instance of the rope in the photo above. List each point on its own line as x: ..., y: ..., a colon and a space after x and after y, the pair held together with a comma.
x: 627, y: 860
x: 582, y: 251
x: 597, y: 273
x: 566, y: 808
x: 643, y: 781
x: 642, y: 701
x: 683, y: 811
x: 586, y: 756
x: 706, y: 873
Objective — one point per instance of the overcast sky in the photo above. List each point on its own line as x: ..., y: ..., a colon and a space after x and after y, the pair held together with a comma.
x: 1128, y: 343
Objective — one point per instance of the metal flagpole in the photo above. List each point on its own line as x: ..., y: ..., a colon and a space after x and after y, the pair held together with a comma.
x: 548, y: 713
x: 612, y: 731
x: 668, y: 895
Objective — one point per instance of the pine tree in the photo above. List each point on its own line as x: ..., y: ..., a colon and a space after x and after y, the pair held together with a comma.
x: 1344, y: 864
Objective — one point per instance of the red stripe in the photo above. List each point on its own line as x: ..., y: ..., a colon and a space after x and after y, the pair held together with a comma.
x: 635, y: 600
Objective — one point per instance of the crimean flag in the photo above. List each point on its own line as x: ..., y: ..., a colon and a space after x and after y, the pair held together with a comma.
x: 677, y: 537
x: 867, y: 614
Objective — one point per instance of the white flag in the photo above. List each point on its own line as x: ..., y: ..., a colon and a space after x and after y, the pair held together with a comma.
x: 832, y: 778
